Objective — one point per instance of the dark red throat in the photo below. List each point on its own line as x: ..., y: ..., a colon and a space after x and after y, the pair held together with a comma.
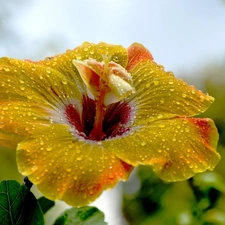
x: 114, y: 122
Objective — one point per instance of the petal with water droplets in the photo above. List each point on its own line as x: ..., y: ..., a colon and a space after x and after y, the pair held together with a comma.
x: 176, y: 148
x: 63, y: 62
x: 30, y: 94
x: 63, y: 167
x: 160, y: 95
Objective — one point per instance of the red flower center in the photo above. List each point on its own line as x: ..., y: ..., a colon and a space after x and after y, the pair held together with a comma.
x: 113, y: 119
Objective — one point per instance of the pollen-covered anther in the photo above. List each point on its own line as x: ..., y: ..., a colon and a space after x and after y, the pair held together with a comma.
x: 105, y: 78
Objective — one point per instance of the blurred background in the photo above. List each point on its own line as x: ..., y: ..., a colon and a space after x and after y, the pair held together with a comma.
x: 186, y: 37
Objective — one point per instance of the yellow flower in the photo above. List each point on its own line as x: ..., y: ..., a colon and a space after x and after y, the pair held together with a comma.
x: 82, y: 120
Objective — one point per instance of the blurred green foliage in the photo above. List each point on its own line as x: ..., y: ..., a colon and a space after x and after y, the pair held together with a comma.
x: 201, y: 199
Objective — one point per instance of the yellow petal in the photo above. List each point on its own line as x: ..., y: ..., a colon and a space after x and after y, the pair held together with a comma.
x: 160, y: 95
x: 63, y: 62
x: 31, y: 95
x: 9, y: 140
x: 32, y: 82
x: 175, y: 148
x: 62, y: 167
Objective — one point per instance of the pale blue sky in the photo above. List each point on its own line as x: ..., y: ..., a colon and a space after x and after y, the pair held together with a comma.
x: 180, y: 34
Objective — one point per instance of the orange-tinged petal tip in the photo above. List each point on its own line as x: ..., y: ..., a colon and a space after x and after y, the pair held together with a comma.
x: 136, y: 53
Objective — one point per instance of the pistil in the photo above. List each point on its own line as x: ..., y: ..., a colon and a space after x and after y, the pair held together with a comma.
x: 97, y: 133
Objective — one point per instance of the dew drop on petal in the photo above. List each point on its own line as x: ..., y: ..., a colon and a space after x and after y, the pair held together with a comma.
x: 202, y: 98
x: 156, y: 82
x: 48, y: 70
x: 6, y: 69
x: 64, y: 81
x: 79, y: 158
x: 34, y: 168
x: 161, y: 125
x: 111, y: 175
x: 187, y: 130
x: 49, y: 149
x: 143, y: 143
x: 22, y: 88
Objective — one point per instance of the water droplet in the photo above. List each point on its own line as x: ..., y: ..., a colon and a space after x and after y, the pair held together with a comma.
x: 6, y: 69
x: 22, y: 88
x: 41, y: 77
x: 34, y: 168
x: 143, y: 143
x: 29, y: 97
x: 160, y: 116
x: 187, y: 130
x: 162, y: 100
x: 170, y: 82
x: 147, y: 85
x: 202, y: 98
x: 64, y: 81
x: 161, y: 125
x: 111, y: 175
x: 48, y: 70
x: 156, y: 82
x: 69, y: 170
x: 79, y: 57
x: 184, y: 95
x: 90, y: 159
x: 85, y: 49
x: 79, y: 158
x: 49, y: 149
x: 159, y: 151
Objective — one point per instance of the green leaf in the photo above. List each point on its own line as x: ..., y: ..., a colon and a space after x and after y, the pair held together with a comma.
x: 18, y: 206
x: 45, y: 204
x: 86, y: 216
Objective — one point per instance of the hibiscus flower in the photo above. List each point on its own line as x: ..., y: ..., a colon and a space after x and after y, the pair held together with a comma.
x: 81, y: 121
